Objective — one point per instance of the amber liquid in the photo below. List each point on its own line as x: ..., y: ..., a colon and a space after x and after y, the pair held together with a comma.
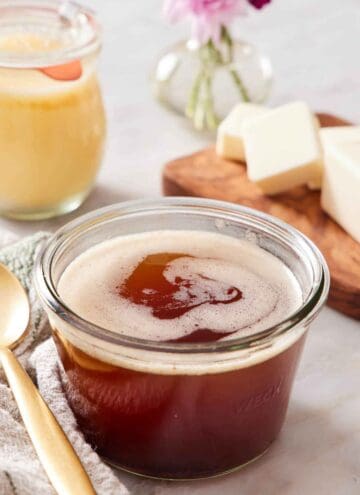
x: 177, y: 426
x: 148, y: 286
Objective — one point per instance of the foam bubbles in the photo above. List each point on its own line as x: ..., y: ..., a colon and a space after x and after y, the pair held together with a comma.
x: 269, y: 290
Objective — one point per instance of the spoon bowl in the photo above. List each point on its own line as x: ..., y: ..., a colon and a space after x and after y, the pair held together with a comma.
x: 53, y: 448
x: 14, y: 309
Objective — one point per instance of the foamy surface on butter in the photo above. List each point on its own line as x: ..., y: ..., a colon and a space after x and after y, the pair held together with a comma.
x: 31, y: 82
x: 270, y: 293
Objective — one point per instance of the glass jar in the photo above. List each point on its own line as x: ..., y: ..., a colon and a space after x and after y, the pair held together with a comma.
x: 180, y: 410
x: 52, y: 123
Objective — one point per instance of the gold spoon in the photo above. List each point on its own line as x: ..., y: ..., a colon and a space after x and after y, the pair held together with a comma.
x: 55, y: 452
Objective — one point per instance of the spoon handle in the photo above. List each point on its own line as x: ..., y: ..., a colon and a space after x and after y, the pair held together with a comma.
x: 54, y: 450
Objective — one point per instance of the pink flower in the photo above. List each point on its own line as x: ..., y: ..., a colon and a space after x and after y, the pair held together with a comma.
x: 208, y: 16
x: 258, y: 4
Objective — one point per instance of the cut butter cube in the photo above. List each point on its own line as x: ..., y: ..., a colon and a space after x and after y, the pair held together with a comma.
x: 229, y: 142
x: 283, y: 148
x: 338, y: 134
x: 340, y: 196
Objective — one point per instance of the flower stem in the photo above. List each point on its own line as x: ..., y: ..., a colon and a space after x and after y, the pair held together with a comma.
x: 240, y: 85
x: 227, y: 39
x: 211, y: 119
x: 200, y: 107
x: 194, y: 96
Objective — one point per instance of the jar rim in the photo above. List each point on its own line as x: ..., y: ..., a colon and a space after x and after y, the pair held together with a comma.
x: 303, y: 315
x: 78, y: 22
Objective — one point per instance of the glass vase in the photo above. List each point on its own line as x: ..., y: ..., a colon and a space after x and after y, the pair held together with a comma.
x: 204, y: 82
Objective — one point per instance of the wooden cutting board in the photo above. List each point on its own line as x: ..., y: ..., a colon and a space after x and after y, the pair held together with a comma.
x: 206, y: 175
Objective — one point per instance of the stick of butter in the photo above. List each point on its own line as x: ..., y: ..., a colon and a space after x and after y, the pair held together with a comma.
x: 337, y: 134
x: 229, y: 142
x: 340, y: 196
x: 283, y: 148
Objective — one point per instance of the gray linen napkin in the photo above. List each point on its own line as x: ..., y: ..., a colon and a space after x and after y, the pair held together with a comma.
x: 20, y: 470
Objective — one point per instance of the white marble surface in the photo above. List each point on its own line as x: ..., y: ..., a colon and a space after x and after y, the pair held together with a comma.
x: 314, y: 47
